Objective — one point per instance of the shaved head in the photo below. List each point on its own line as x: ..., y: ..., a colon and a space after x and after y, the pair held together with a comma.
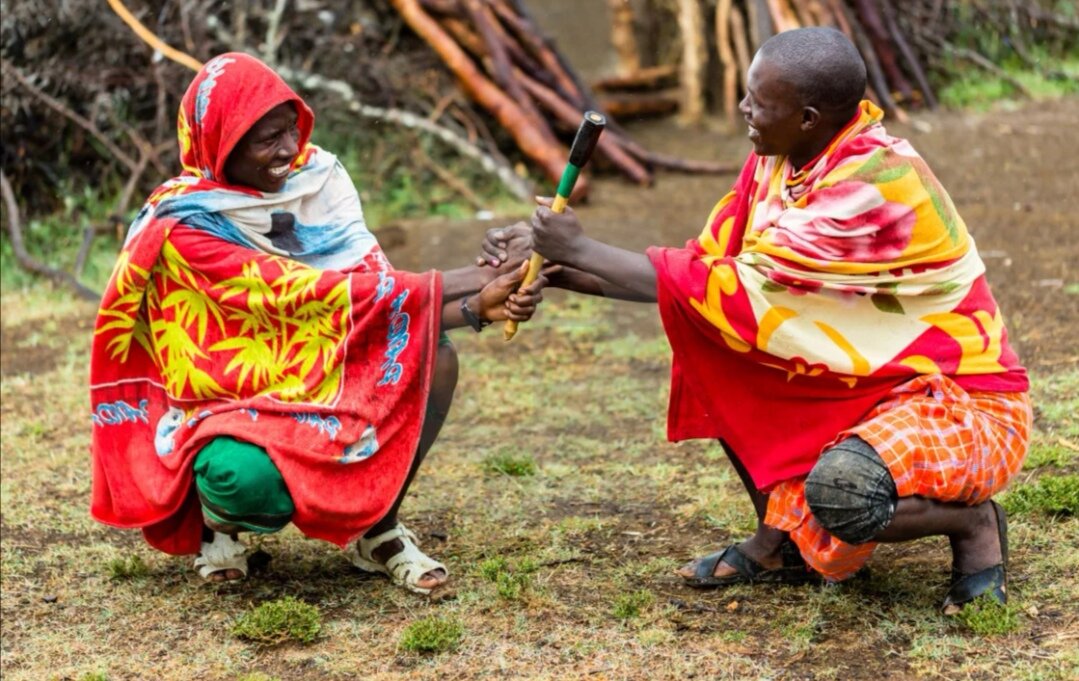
x: 822, y: 66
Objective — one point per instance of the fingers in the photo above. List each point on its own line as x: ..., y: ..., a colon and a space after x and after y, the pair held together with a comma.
x: 503, y: 244
x: 521, y: 272
x: 521, y: 306
x: 535, y: 287
x: 544, y: 200
x: 493, y: 254
x: 494, y: 248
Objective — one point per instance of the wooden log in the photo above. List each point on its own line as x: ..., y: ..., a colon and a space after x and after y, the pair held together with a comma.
x: 510, y: 116
x: 760, y: 22
x: 571, y: 116
x: 644, y: 79
x: 500, y: 67
x: 623, y: 36
x: 568, y: 82
x: 874, y: 73
x: 481, y: 51
x: 911, y: 60
x: 782, y: 17
x: 821, y: 16
x: 801, y: 11
x: 741, y: 49
x: 841, y: 18
x: 625, y: 105
x: 874, y: 28
x: 443, y: 7
x: 536, y: 42
x: 727, y: 59
x: 657, y: 160
x: 694, y: 59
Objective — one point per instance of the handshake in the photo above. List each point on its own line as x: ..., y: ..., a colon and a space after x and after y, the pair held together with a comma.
x: 513, y: 292
x: 571, y: 261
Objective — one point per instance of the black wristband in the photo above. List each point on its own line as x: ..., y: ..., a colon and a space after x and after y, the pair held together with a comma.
x: 471, y: 317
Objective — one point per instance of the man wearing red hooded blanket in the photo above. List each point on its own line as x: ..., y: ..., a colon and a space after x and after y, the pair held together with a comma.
x: 257, y: 361
x: 832, y: 326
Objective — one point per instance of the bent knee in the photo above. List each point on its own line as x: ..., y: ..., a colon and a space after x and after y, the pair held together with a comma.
x: 446, y: 365
x: 851, y: 492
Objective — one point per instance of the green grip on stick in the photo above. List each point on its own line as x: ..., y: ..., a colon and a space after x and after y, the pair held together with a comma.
x: 584, y: 143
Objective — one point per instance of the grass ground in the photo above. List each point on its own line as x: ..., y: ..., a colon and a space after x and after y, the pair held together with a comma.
x: 561, y: 512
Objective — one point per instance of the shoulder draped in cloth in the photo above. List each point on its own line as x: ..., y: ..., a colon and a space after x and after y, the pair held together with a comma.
x: 222, y: 319
x: 810, y: 294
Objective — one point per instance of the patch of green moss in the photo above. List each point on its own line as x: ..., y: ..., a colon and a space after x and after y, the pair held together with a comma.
x: 278, y: 621
x: 432, y: 635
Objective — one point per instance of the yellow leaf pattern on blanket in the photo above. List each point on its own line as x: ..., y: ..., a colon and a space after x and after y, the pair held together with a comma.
x: 722, y: 281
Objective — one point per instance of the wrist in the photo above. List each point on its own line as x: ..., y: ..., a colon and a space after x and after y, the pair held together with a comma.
x: 576, y: 251
x: 472, y: 315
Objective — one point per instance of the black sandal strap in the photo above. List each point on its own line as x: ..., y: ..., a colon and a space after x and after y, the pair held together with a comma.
x: 990, y: 581
x: 746, y: 567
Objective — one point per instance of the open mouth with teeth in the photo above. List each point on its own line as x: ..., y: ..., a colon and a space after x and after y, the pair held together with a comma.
x: 280, y: 172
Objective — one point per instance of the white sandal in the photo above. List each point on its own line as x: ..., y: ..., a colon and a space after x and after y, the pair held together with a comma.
x: 404, y: 568
x: 223, y: 553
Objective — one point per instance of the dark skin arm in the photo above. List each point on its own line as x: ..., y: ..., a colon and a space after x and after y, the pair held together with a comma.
x: 587, y: 266
x: 501, y: 299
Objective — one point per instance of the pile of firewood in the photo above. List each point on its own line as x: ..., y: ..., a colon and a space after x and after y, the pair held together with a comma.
x: 504, y: 63
x: 900, y: 43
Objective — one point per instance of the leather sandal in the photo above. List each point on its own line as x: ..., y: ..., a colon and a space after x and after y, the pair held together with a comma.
x: 748, y: 571
x: 992, y: 581
x: 220, y: 554
x: 404, y: 568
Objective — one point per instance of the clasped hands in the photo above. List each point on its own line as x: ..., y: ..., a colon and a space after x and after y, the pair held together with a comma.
x: 506, y: 250
x: 558, y: 236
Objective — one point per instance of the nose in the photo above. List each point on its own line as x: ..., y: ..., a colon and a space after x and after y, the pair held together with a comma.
x: 743, y: 106
x: 290, y: 144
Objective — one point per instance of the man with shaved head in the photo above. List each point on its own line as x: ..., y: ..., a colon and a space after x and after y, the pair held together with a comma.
x: 832, y: 327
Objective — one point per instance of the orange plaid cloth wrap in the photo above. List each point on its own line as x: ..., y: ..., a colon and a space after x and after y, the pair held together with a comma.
x: 938, y: 442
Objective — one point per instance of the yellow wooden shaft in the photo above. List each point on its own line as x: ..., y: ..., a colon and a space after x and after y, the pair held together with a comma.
x: 509, y: 330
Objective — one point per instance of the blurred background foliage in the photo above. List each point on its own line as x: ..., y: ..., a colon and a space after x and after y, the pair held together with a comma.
x: 87, y: 109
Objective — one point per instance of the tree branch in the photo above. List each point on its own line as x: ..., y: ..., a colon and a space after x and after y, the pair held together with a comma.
x: 25, y: 260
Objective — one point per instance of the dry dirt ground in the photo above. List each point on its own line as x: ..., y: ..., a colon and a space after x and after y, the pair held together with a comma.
x: 564, y: 570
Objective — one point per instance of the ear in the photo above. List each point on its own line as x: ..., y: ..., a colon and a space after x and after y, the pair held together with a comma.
x: 811, y: 118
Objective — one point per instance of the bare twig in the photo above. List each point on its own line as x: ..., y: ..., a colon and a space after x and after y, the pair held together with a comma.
x: 273, y: 38
x: 516, y: 186
x: 27, y: 261
x: 984, y: 63
x: 67, y: 113
x: 448, y: 178
x: 152, y: 40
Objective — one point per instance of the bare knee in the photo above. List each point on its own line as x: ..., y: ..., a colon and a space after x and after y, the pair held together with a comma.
x: 851, y: 492
x: 444, y: 381
x: 446, y: 368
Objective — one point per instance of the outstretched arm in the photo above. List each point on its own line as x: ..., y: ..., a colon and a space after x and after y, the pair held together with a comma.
x: 506, y: 246
x: 499, y: 300
x: 560, y: 238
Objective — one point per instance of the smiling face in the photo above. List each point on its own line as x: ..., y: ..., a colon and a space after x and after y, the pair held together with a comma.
x: 263, y: 157
x: 780, y: 124
x: 773, y: 110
